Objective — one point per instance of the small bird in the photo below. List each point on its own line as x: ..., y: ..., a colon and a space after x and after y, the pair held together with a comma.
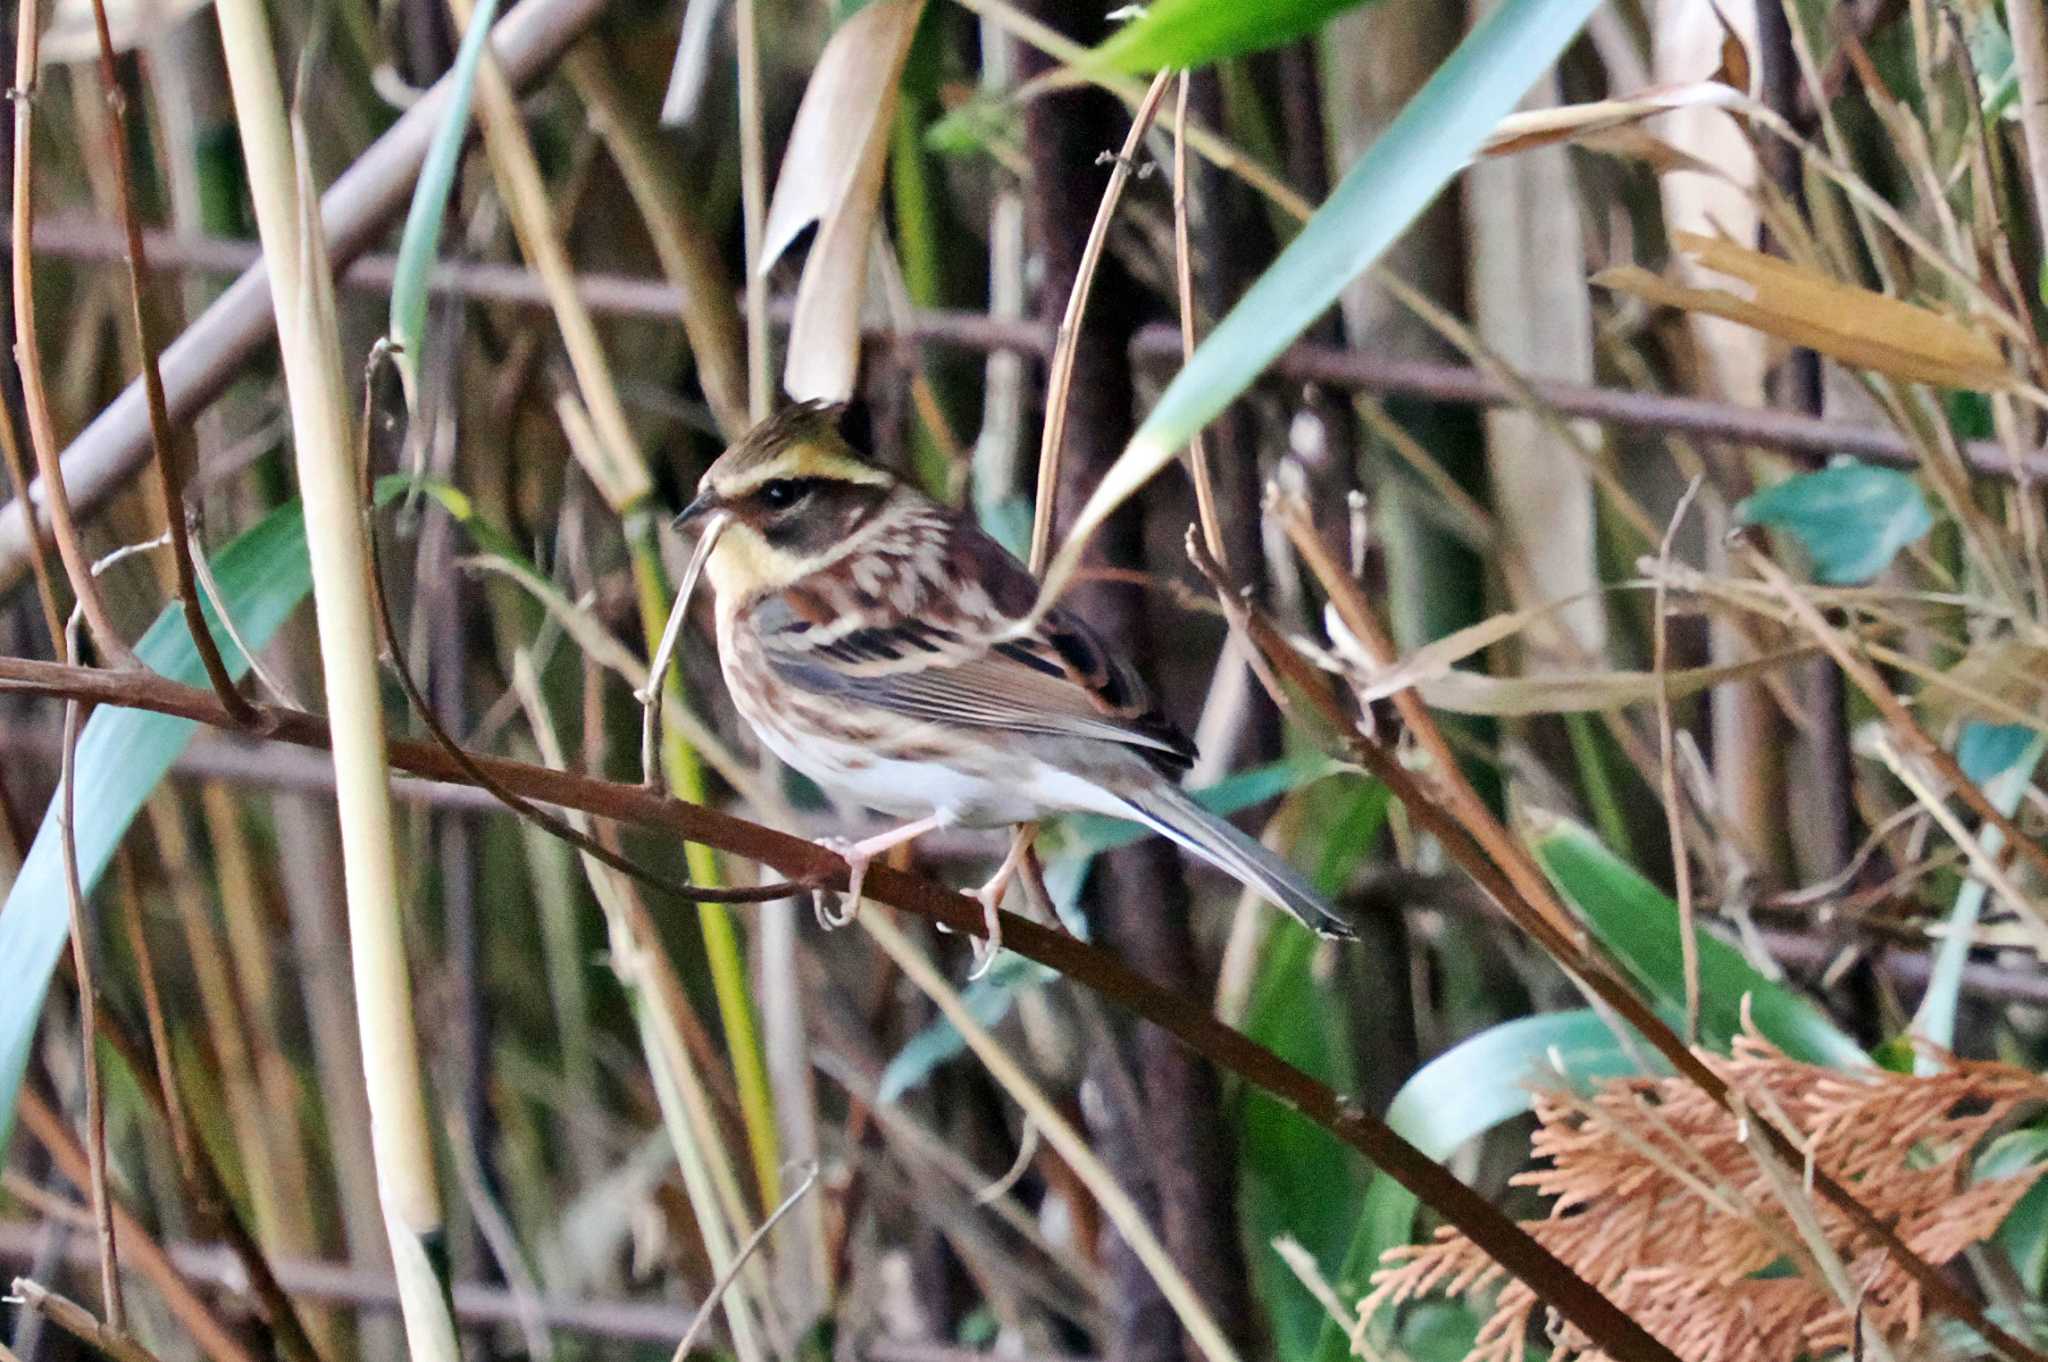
x: 883, y: 645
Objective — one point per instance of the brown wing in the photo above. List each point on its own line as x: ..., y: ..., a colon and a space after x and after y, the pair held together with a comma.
x: 948, y: 656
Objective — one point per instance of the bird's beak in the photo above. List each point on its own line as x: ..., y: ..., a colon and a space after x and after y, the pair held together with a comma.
x: 704, y: 505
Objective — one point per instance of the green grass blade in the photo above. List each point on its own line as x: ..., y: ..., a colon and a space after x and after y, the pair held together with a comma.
x: 1459, y: 1095
x: 1400, y: 176
x: 1197, y: 32
x: 122, y: 755
x: 421, y: 240
x: 1635, y: 920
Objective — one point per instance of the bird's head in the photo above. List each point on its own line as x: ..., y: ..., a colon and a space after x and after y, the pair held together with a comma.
x: 784, y: 500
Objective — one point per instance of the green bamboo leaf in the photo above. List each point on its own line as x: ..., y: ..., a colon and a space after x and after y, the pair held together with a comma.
x: 1456, y: 1097
x: 1293, y: 1013
x: 1853, y: 518
x: 122, y: 755
x: 421, y: 240
x: 1197, y: 32
x: 1400, y: 176
x: 1634, y: 919
x: 2024, y: 1235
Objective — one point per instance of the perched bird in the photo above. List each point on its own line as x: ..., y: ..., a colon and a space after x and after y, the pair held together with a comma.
x: 879, y: 643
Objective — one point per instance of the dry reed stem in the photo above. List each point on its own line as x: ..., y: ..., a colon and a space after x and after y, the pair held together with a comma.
x: 163, y: 436
x: 753, y: 207
x: 28, y: 353
x: 288, y: 221
x: 1674, y: 818
x: 1911, y: 736
x: 1066, y: 341
x: 213, y: 1338
x: 88, y: 1030
x: 77, y: 1321
x: 1184, y: 287
x: 1116, y: 1203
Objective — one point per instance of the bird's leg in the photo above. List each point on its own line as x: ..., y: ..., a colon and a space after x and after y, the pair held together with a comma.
x: 991, y: 897
x: 859, y: 855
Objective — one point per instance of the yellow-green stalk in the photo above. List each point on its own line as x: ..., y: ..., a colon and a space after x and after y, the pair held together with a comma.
x: 302, y: 293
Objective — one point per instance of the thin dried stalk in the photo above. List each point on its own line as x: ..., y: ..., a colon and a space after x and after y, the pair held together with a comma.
x: 88, y: 1031
x: 1674, y: 818
x: 1066, y: 344
x: 1184, y: 285
x: 1061, y: 1135
x: 301, y: 287
x: 214, y: 1339
x: 163, y: 436
x: 753, y: 206
x: 28, y: 354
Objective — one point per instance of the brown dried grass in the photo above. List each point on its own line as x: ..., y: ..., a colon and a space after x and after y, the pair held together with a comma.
x: 1659, y: 1200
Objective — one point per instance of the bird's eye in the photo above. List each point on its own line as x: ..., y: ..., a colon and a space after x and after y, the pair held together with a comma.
x: 780, y: 494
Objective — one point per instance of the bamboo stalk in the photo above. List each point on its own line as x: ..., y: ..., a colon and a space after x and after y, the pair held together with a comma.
x: 295, y: 251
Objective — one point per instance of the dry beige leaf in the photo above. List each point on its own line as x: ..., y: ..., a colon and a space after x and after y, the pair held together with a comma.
x: 832, y: 175
x: 1585, y: 692
x: 1573, y: 122
x: 1432, y: 671
x: 1856, y: 326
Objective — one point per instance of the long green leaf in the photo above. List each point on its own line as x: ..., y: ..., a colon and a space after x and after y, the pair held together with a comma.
x: 421, y: 240
x: 1197, y: 32
x: 1297, y: 1178
x: 1401, y: 175
x: 1457, y: 1096
x: 1640, y: 925
x: 122, y: 754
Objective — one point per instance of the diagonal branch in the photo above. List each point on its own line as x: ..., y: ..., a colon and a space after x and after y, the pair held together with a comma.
x: 1088, y: 965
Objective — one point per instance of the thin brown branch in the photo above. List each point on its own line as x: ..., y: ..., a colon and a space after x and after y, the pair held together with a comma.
x: 163, y: 436
x: 801, y: 860
x: 1472, y: 844
x: 77, y: 1321
x: 1915, y: 739
x: 1066, y: 341
x: 28, y: 354
x: 88, y: 1007
x: 19, y: 479
x: 1159, y: 344
x: 312, y: 1280
x: 539, y: 817
x: 1184, y: 285
x: 214, y: 1339
x: 211, y: 352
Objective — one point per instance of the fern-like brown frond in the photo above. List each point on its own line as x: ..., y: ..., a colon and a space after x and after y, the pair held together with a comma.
x: 1659, y: 1202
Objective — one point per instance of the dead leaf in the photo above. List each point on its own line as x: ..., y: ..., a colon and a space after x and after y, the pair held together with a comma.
x: 832, y: 175
x: 1853, y: 325
x: 1571, y: 122
x: 1586, y: 692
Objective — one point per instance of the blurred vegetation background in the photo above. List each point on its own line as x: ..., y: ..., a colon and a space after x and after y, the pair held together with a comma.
x: 1625, y: 594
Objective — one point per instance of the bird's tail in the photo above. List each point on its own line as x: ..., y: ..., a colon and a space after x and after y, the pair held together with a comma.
x: 1167, y: 809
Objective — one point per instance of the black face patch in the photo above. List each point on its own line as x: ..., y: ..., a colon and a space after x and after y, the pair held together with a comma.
x: 808, y: 515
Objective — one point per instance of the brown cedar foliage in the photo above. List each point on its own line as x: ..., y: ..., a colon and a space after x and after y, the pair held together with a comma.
x: 1662, y: 1204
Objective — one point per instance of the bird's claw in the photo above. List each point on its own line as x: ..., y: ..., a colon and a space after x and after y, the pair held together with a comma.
x: 987, y: 949
x: 856, y: 874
